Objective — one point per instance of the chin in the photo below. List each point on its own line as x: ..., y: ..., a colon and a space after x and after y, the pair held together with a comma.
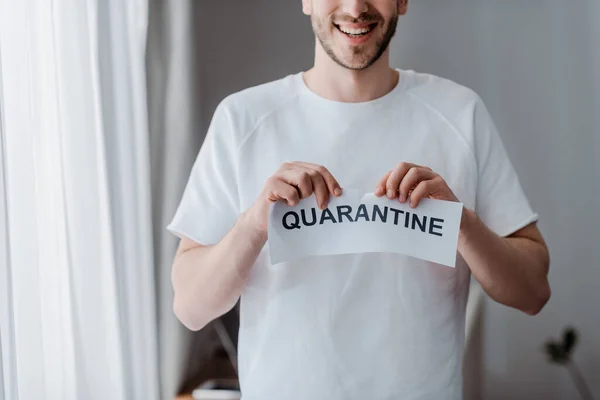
x: 357, y: 66
x: 357, y: 63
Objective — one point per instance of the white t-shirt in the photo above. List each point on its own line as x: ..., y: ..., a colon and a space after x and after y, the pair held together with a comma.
x: 359, y: 326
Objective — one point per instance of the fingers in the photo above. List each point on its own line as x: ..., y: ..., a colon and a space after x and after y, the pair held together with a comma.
x: 332, y: 184
x: 380, y: 189
x: 423, y: 190
x: 318, y: 186
x: 281, y: 190
x: 303, y: 181
x: 404, y: 177
x: 297, y: 178
x: 320, y: 189
x: 413, y: 177
x: 397, y: 175
x: 400, y: 181
x: 307, y: 179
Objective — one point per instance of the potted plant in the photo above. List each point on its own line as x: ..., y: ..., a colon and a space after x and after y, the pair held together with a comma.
x: 560, y: 352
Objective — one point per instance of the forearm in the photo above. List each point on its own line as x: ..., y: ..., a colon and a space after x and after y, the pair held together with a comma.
x: 209, y: 280
x: 513, y: 271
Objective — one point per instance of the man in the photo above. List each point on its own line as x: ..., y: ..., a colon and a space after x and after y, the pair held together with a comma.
x: 357, y: 326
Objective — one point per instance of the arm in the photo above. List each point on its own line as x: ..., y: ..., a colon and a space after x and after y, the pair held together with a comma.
x: 512, y: 270
x: 208, y: 280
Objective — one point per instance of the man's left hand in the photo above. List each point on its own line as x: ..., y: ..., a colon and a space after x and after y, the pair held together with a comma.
x: 416, y: 181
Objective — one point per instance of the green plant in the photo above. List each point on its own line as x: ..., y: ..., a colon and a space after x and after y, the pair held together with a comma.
x: 561, y: 351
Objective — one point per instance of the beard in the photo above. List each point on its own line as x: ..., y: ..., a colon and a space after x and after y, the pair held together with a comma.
x: 363, y: 56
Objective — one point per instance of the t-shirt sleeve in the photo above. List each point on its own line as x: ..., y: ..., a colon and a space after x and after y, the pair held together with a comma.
x: 500, y: 201
x: 210, y: 203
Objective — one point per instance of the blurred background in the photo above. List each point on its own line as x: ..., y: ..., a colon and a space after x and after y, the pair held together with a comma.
x: 104, y: 105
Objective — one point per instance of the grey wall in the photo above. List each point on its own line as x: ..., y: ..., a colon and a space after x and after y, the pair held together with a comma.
x: 536, y: 64
x: 247, y: 43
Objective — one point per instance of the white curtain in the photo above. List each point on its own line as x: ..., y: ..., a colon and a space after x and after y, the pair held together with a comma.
x: 171, y: 91
x: 175, y: 103
x: 77, y: 303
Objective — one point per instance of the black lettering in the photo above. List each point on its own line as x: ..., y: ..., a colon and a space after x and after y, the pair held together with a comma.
x: 433, y: 226
x: 362, y: 213
x: 382, y: 216
x: 314, y: 218
x: 417, y: 221
x: 327, y: 215
x: 396, y: 213
x: 406, y: 218
x: 295, y: 225
x: 345, y: 213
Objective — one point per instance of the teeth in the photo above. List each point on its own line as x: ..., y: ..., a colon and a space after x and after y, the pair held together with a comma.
x: 351, y: 31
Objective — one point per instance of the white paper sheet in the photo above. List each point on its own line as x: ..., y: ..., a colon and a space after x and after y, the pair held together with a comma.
x: 428, y: 232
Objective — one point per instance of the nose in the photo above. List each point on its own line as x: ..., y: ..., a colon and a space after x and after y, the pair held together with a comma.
x: 354, y: 8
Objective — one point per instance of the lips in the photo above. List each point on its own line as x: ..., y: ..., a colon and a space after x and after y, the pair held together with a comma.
x: 356, y: 34
x: 355, y: 30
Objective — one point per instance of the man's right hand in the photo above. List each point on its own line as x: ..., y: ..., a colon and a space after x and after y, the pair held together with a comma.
x: 293, y: 181
x: 208, y: 280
